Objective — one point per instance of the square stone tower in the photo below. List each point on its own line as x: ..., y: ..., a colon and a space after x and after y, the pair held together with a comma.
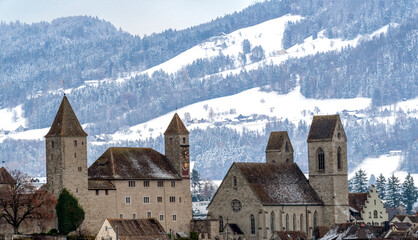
x: 66, y: 154
x: 327, y: 154
x: 176, y: 139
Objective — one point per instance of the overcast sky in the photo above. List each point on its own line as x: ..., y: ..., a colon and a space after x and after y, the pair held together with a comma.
x: 135, y: 16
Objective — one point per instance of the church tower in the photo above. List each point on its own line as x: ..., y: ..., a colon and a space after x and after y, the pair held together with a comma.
x: 327, y: 154
x: 176, y: 139
x: 66, y: 154
x: 279, y: 149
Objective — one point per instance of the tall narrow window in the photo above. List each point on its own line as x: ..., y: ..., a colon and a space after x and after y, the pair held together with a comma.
x: 287, y: 222
x: 173, y: 183
x: 121, y: 216
x: 52, y: 144
x: 252, y: 220
x: 375, y: 214
x: 315, y: 220
x: 321, y: 159
x: 75, y: 155
x: 294, y: 222
x: 131, y: 183
x: 184, y: 140
x: 146, y: 183
x: 301, y: 222
x: 134, y: 216
x: 160, y: 184
x: 75, y: 143
x: 235, y: 181
x: 287, y: 147
x: 221, y: 224
x: 339, y: 158
x: 149, y: 214
x: 272, y: 216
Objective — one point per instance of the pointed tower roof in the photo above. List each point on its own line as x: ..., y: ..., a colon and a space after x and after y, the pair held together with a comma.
x: 276, y: 141
x: 323, y: 127
x: 176, y: 126
x: 5, y: 177
x: 66, y: 123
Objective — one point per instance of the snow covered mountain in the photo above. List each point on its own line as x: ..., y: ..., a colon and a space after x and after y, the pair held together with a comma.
x: 270, y: 67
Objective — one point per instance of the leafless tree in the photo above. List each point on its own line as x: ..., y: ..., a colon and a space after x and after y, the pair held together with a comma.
x: 20, y: 201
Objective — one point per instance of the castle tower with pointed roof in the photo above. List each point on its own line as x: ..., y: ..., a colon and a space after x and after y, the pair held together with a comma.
x: 327, y: 154
x: 66, y: 154
x: 176, y: 139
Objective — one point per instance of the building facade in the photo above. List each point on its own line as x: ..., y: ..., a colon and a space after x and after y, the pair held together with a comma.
x: 262, y: 198
x: 368, y: 208
x: 126, y: 183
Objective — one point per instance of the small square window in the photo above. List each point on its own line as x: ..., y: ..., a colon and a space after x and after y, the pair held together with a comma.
x: 161, y: 217
x: 173, y: 183
x: 134, y: 216
x: 121, y: 215
x: 131, y: 183
x: 79, y: 169
x: 179, y: 199
x: 75, y: 155
x: 146, y: 199
x: 159, y: 199
x: 128, y: 200
x: 149, y: 214
x: 160, y: 184
x: 146, y: 183
x: 107, y: 192
x: 172, y: 199
x: 97, y: 192
x: 75, y: 143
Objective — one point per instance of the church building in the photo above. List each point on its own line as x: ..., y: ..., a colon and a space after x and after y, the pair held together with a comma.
x: 262, y: 198
x: 124, y: 182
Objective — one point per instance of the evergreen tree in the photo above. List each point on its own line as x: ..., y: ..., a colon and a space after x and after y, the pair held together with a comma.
x: 393, y: 195
x: 381, y: 186
x: 70, y: 214
x: 196, y: 182
x: 351, y: 185
x: 409, y: 193
x: 360, y: 182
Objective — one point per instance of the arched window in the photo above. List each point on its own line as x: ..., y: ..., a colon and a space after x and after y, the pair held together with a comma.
x: 252, y: 220
x: 301, y: 222
x: 315, y: 220
x: 321, y: 159
x: 375, y: 214
x: 235, y: 181
x: 287, y: 222
x: 294, y: 222
x: 339, y: 158
x: 272, y: 216
x: 221, y: 224
x: 286, y: 148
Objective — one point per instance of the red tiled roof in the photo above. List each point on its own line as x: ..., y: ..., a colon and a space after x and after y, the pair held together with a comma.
x: 5, y: 177
x: 322, y: 127
x: 66, y: 123
x: 176, y: 126
x: 277, y: 139
x: 132, y: 163
x: 139, y: 229
x: 279, y: 184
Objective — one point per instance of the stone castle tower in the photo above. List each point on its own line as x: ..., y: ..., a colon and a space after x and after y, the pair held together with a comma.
x: 66, y: 154
x: 327, y: 154
x: 279, y: 149
x: 176, y: 139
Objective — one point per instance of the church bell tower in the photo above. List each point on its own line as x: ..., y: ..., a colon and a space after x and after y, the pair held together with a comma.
x: 176, y: 139
x: 66, y: 154
x: 327, y: 154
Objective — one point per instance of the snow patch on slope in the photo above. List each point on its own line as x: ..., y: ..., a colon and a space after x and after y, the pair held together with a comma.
x: 12, y: 118
x: 238, y: 112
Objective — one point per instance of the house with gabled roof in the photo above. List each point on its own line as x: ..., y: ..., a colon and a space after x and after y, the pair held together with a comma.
x: 132, y: 229
x: 263, y: 198
x: 124, y: 182
x: 367, y: 208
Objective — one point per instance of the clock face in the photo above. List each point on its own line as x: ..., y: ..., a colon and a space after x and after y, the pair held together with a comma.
x: 236, y: 205
x: 185, y: 154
